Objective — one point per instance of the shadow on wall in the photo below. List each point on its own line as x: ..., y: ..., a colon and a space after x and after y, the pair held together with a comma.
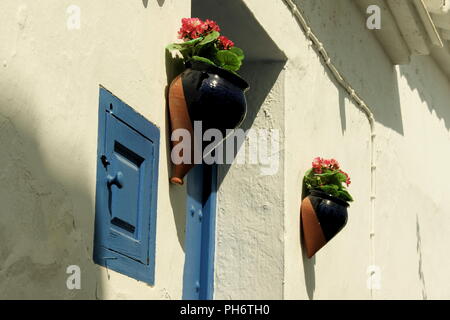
x: 309, y: 271
x: 47, y: 217
x: 421, y: 77
x: 262, y: 55
x: 160, y: 3
x: 419, y: 254
x: 349, y: 43
x: 336, y: 27
x: 260, y: 87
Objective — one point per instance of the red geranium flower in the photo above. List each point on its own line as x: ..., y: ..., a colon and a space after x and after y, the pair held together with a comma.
x: 334, y: 164
x: 191, y: 28
x: 225, y: 43
x: 327, y: 176
x: 211, y: 26
x: 348, y: 181
x: 193, y: 31
x: 317, y: 165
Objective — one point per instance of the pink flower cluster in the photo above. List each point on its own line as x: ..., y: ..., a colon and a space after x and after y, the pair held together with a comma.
x: 319, y: 164
x: 348, y: 181
x: 192, y: 28
x: 225, y: 43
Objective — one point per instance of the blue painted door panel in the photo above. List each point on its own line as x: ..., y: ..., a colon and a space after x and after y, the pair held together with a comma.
x: 127, y: 177
x: 131, y: 157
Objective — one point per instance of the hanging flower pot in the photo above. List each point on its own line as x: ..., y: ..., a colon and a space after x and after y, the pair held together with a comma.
x: 324, y: 209
x: 208, y: 91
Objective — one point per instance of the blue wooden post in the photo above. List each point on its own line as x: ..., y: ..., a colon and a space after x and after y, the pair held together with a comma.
x: 198, y: 279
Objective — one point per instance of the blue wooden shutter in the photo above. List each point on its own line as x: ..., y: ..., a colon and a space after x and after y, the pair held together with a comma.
x: 127, y: 177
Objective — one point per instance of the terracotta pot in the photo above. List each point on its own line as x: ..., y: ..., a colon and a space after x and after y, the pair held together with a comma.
x: 322, y: 217
x: 179, y: 119
x: 209, y: 94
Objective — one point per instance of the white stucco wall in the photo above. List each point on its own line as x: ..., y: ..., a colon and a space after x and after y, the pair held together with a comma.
x: 49, y: 81
x: 250, y: 232
x: 49, y: 84
x: 411, y: 105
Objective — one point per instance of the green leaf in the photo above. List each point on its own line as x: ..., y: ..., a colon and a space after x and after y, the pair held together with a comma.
x: 327, y: 174
x: 228, y: 60
x: 202, y: 59
x: 330, y: 189
x: 234, y: 72
x: 185, y: 48
x: 231, y: 69
x: 344, y: 195
x: 174, y: 46
x: 208, y: 51
x: 210, y: 38
x: 308, y: 173
x: 192, y: 42
x: 186, y: 52
x: 342, y: 177
x: 183, y: 45
x: 238, y: 52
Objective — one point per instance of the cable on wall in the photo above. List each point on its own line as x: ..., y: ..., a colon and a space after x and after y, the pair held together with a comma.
x: 359, y: 102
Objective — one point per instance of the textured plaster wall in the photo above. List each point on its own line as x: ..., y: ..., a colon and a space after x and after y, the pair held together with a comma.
x: 249, y: 248
x: 49, y: 78
x: 249, y: 262
x: 411, y: 105
x: 49, y: 83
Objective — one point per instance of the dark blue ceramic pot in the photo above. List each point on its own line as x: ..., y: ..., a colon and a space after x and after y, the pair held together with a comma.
x: 331, y: 212
x: 323, y: 216
x: 214, y: 96
x: 209, y: 94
